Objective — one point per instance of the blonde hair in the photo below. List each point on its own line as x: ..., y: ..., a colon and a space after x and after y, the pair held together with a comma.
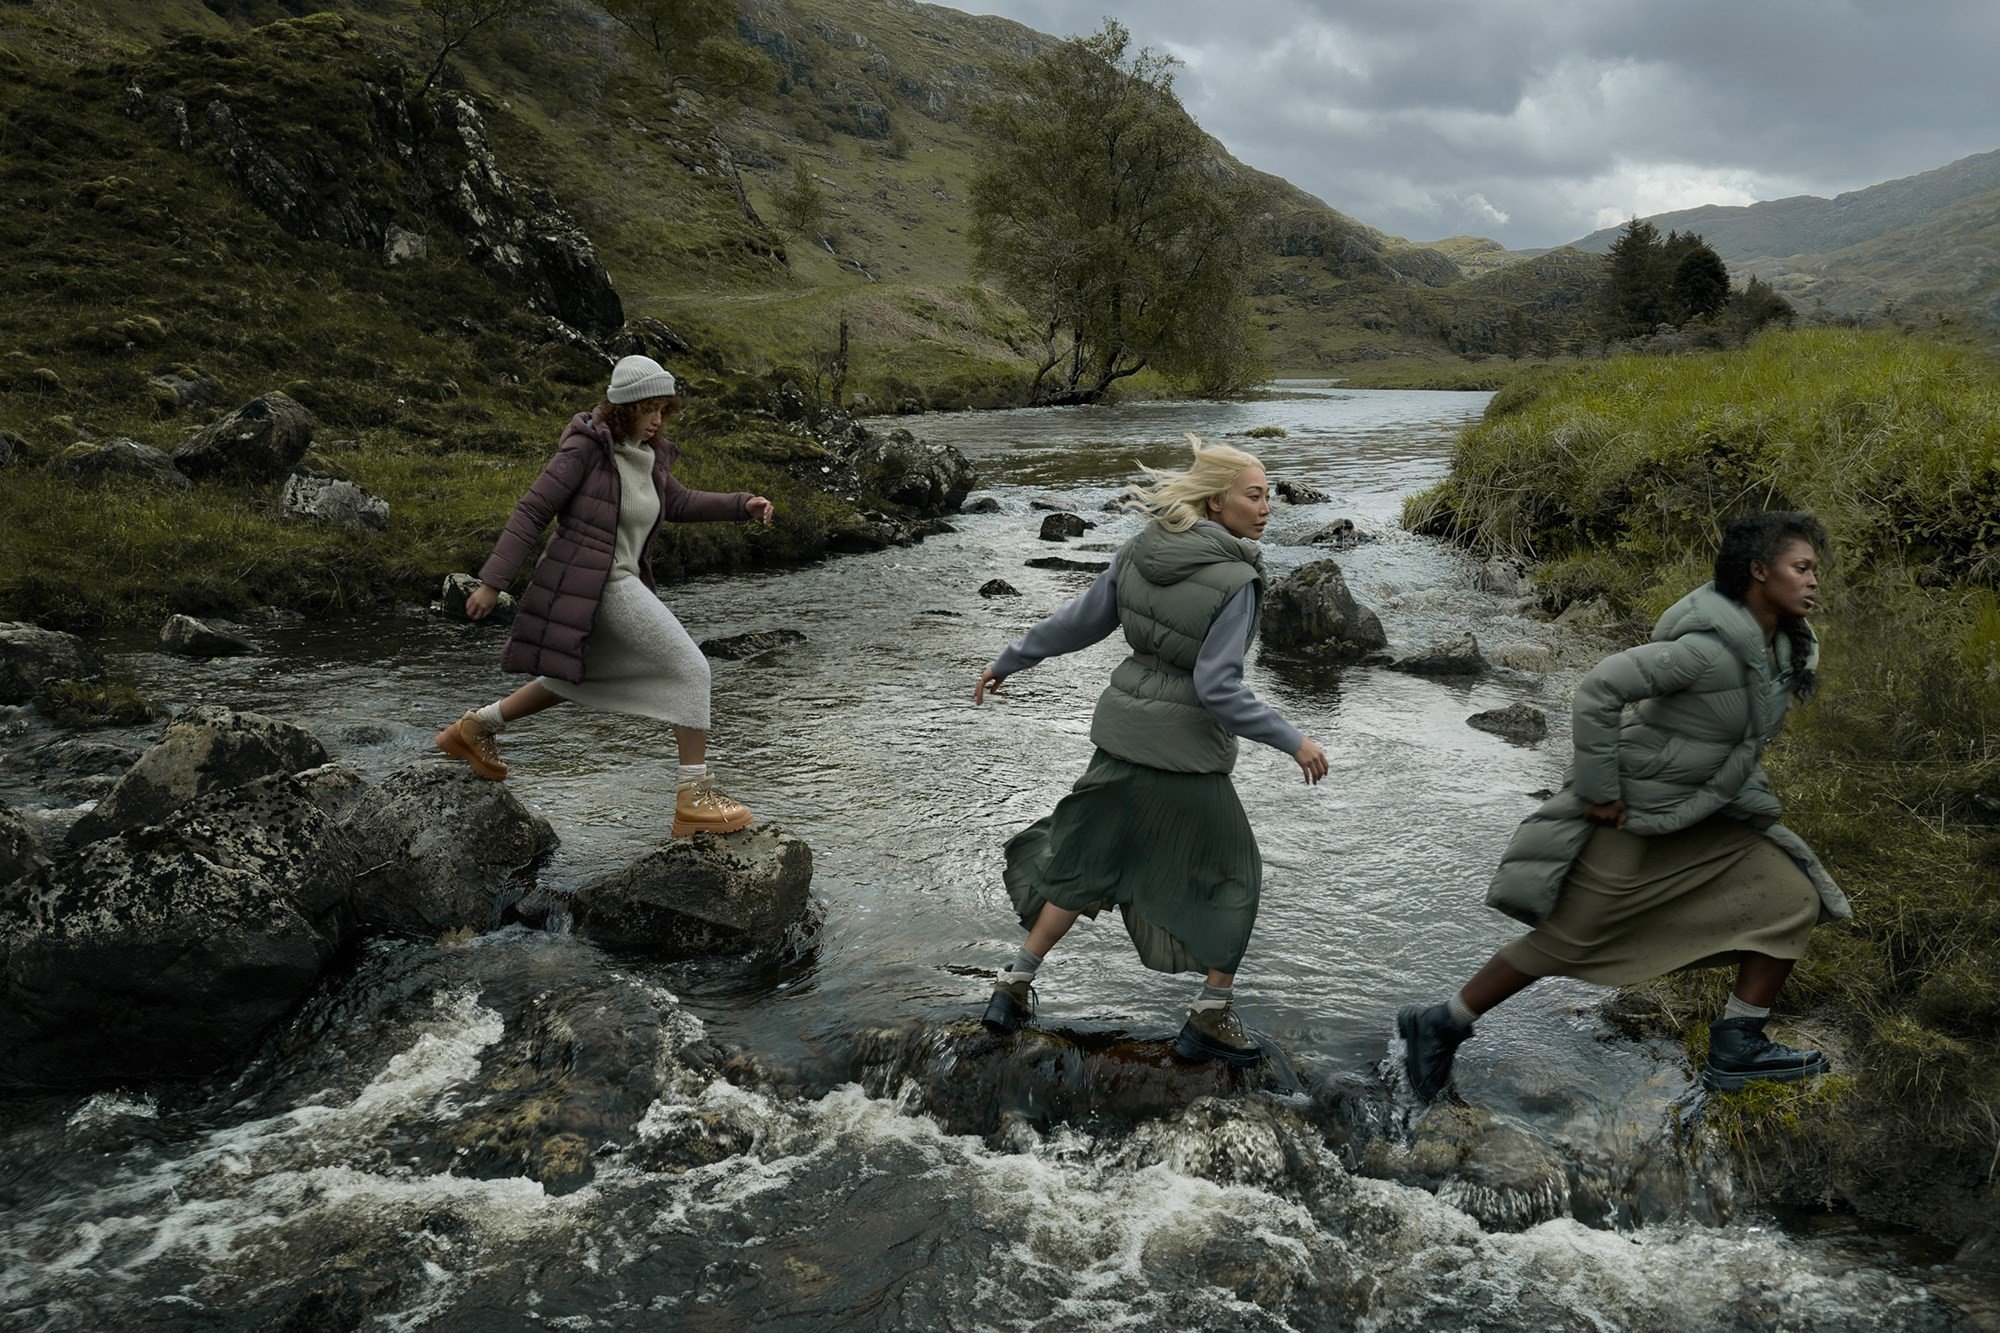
x: 1179, y: 500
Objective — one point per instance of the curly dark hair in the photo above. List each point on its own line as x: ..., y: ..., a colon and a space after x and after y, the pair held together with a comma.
x: 1759, y: 539
x: 622, y: 419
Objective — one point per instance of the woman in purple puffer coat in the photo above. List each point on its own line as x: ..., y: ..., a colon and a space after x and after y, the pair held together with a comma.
x: 591, y: 628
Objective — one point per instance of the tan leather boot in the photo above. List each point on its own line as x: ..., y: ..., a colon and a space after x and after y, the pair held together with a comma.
x: 468, y: 739
x: 700, y: 808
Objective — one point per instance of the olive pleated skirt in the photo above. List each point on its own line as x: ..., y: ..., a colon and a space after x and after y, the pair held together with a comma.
x: 1172, y: 851
x: 1634, y: 908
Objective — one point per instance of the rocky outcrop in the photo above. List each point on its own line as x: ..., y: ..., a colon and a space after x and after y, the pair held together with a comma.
x: 327, y: 499
x: 206, y: 749
x: 1503, y: 575
x: 916, y: 474
x: 169, y: 951
x: 1061, y: 527
x: 1522, y: 724
x: 998, y: 588
x: 262, y: 440
x: 1456, y: 656
x: 120, y: 460
x: 187, y: 637
x: 701, y: 895
x: 1298, y: 493
x: 741, y: 647
x: 1311, y: 616
x: 459, y: 587
x: 20, y: 845
x: 1503, y: 1176
x: 1064, y: 562
x: 444, y: 849
x: 30, y: 655
x: 1339, y: 534
x: 872, y: 530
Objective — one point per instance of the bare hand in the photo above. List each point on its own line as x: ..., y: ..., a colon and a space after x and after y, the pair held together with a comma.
x: 480, y: 604
x: 1311, y: 760
x: 1611, y: 812
x: 759, y: 508
x: 987, y: 681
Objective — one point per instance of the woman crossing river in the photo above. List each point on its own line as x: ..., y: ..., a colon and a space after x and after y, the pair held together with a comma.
x: 1154, y: 826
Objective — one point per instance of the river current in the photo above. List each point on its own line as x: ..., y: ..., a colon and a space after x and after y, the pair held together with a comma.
x: 869, y: 1161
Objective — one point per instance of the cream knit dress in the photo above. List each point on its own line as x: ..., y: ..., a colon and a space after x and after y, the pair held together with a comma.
x: 638, y: 659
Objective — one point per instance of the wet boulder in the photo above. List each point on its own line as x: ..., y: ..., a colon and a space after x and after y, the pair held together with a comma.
x: 1497, y: 1172
x: 460, y: 587
x: 742, y: 647
x: 916, y: 474
x: 1504, y: 576
x: 984, y: 504
x: 707, y: 894
x: 1311, y: 616
x: 263, y: 440
x: 120, y: 460
x: 30, y: 655
x: 328, y: 499
x: 445, y: 849
x: 1522, y: 724
x: 185, y: 636
x: 1238, y: 1141
x: 871, y: 530
x: 170, y: 950
x: 1456, y: 656
x: 205, y: 749
x: 20, y: 845
x: 1339, y: 534
x: 1061, y: 527
x: 1064, y: 562
x: 1298, y: 493
x: 1529, y: 657
x: 1052, y: 500
x: 998, y: 588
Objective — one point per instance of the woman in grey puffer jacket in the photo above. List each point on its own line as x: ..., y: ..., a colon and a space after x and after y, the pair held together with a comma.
x: 1663, y: 851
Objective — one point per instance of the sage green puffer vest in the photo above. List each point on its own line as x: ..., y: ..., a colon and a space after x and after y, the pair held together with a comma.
x: 1171, y: 587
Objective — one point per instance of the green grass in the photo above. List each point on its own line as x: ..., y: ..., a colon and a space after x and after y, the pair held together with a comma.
x: 1619, y: 477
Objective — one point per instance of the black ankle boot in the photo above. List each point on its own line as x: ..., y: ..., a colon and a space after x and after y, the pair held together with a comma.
x: 1431, y: 1039
x: 1740, y: 1053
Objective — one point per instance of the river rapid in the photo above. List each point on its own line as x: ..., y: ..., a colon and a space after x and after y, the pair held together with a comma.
x: 819, y: 1140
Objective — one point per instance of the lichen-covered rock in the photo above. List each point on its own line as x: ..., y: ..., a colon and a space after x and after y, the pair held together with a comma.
x: 701, y: 895
x: 459, y: 587
x: 1061, y: 527
x: 1503, y: 575
x: 1311, y: 616
x: 262, y: 440
x: 120, y: 459
x: 444, y: 848
x: 30, y: 655
x: 20, y: 845
x: 168, y: 951
x: 1456, y: 656
x: 327, y: 499
x: 188, y: 637
x: 740, y: 647
x: 1523, y: 724
x: 916, y: 474
x: 205, y: 749
x: 175, y: 393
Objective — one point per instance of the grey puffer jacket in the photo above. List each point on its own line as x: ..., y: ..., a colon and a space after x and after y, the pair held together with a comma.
x: 1708, y: 699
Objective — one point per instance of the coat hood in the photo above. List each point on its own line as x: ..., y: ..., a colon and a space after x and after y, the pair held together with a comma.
x: 1707, y: 611
x: 1163, y: 557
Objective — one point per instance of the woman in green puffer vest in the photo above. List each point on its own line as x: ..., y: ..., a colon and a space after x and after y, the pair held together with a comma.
x: 1663, y: 851
x: 1153, y: 827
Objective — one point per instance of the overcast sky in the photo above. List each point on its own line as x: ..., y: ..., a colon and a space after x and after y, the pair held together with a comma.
x: 1537, y: 121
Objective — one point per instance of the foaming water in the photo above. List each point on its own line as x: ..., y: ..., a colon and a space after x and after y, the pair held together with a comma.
x: 526, y: 1131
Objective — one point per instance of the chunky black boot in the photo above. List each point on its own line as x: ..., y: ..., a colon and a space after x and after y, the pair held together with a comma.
x: 1214, y: 1032
x: 1740, y: 1053
x: 1430, y: 1040
x: 1012, y: 1003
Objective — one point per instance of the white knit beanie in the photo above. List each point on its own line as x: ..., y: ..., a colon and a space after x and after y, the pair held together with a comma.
x: 636, y: 378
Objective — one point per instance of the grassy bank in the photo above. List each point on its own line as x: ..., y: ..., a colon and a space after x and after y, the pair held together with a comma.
x: 1618, y: 478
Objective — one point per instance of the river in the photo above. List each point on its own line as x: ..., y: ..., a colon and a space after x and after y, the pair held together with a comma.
x: 839, y: 1184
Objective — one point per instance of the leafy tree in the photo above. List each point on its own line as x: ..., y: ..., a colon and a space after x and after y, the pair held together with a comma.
x: 802, y: 204
x: 1103, y: 209
x: 1755, y: 306
x: 447, y: 25
x: 694, y: 43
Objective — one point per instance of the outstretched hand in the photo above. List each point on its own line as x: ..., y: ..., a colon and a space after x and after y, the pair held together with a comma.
x: 1311, y: 760
x: 987, y: 681
x: 757, y: 507
x: 480, y: 602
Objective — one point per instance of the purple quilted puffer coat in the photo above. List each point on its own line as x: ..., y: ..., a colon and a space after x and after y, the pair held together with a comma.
x: 579, y: 490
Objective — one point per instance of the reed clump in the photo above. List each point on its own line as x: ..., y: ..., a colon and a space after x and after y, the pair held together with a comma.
x: 1619, y: 479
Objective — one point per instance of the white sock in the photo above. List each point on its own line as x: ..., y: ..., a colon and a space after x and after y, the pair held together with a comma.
x: 489, y: 717
x: 1461, y: 1012
x: 1214, y: 997
x: 689, y: 774
x: 1739, y: 1009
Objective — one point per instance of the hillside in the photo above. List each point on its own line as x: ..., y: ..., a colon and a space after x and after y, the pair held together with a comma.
x: 1948, y: 266
x: 1808, y: 224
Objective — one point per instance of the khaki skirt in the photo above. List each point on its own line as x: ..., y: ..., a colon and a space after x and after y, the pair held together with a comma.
x: 1634, y: 908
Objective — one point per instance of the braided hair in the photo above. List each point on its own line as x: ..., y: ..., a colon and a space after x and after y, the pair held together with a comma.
x: 1760, y: 538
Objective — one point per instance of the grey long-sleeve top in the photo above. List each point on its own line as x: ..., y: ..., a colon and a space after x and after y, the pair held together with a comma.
x: 1218, y: 667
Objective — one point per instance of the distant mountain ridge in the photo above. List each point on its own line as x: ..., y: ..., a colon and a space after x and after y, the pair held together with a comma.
x: 1808, y: 224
